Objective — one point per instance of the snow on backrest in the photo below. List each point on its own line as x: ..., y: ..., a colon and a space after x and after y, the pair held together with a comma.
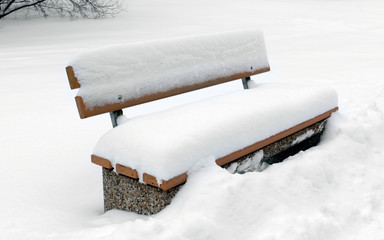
x: 124, y: 72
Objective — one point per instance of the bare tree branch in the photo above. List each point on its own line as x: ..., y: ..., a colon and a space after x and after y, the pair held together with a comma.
x: 69, y: 8
x: 9, y: 4
x: 17, y: 8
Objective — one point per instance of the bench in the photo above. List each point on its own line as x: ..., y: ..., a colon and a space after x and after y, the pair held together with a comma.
x: 146, y: 159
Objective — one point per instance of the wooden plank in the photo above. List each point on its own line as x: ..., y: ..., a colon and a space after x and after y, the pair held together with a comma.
x: 256, y: 146
x: 101, y: 161
x: 127, y: 171
x: 73, y: 82
x: 85, y: 112
x: 151, y: 180
x: 165, y: 185
x: 173, y: 182
x: 81, y: 107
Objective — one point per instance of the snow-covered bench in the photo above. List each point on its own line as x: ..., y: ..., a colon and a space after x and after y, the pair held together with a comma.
x: 160, y: 148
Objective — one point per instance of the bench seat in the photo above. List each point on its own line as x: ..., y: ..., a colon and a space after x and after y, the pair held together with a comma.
x: 163, y: 146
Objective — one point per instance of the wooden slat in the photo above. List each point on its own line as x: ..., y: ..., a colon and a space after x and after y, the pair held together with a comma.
x: 165, y: 185
x: 173, y: 182
x: 85, y: 112
x: 73, y: 82
x: 256, y: 146
x: 80, y: 107
x: 127, y: 171
x: 151, y: 180
x: 101, y: 161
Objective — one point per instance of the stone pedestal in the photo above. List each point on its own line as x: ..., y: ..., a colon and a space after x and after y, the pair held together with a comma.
x: 121, y: 192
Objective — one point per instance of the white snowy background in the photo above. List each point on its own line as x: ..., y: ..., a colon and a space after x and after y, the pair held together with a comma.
x: 50, y: 190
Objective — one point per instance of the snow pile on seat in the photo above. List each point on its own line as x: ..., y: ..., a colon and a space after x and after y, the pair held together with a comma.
x: 168, y: 143
x: 124, y: 72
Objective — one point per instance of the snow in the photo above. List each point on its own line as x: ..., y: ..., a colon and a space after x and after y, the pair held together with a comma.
x: 49, y: 189
x: 303, y: 137
x: 124, y: 72
x: 251, y: 164
x: 166, y: 144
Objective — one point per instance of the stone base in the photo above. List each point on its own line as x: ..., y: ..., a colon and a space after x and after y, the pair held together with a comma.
x: 124, y: 193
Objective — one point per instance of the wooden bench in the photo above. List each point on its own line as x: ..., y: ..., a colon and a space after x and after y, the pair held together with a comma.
x: 118, y: 77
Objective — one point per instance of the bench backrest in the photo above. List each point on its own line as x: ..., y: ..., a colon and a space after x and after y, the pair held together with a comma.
x: 121, y: 76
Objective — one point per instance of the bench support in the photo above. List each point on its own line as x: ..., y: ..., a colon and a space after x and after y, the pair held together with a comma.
x: 245, y: 82
x: 124, y: 193
x: 114, y: 116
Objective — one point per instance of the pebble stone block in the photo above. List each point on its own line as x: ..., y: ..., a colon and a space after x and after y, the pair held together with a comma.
x: 124, y: 193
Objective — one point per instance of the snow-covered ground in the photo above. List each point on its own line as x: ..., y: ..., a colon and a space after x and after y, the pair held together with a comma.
x: 50, y: 190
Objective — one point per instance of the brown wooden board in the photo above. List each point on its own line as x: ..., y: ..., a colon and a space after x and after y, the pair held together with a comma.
x: 165, y: 185
x: 173, y: 182
x: 85, y: 111
x: 101, y: 161
x: 73, y: 82
x: 126, y: 171
x: 151, y: 180
x: 182, y: 178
